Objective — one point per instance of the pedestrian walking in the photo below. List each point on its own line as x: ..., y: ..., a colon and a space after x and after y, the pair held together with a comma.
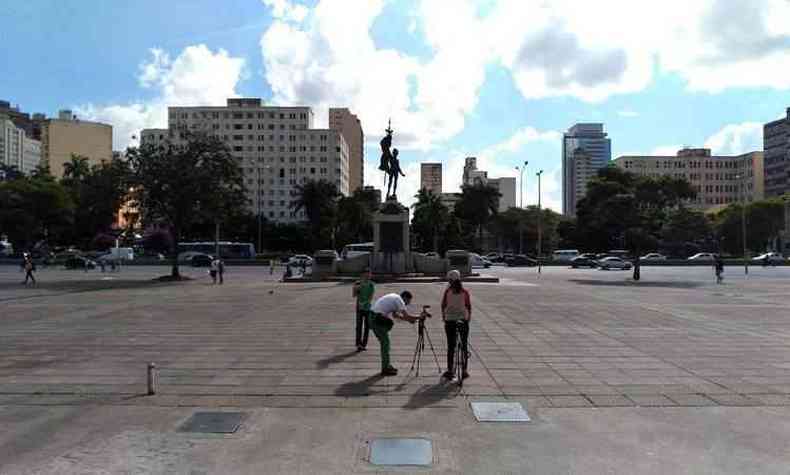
x: 271, y: 266
x: 362, y: 292
x: 456, y: 314
x: 214, y: 267
x: 718, y: 267
x: 221, y: 271
x: 29, y: 267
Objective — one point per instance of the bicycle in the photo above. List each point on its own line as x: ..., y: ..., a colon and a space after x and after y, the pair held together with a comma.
x: 461, y: 355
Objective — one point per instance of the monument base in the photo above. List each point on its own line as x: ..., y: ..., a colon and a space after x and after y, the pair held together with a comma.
x: 392, y: 250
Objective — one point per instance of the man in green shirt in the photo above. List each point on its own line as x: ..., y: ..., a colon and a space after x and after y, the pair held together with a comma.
x: 363, y: 292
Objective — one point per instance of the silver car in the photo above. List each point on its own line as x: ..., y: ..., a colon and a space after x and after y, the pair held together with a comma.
x: 613, y: 263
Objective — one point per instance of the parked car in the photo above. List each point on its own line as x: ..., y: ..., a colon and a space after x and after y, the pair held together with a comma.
x: 492, y: 256
x: 300, y: 260
x: 564, y: 255
x: 435, y: 255
x: 769, y: 257
x: 702, y: 256
x: 201, y: 260
x: 79, y: 262
x: 580, y: 261
x: 520, y: 260
x: 613, y: 263
x: 479, y: 261
x: 653, y: 256
x: 589, y: 255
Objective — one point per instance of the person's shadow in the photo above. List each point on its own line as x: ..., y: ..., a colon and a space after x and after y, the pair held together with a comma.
x: 431, y: 394
x: 361, y: 388
x: 327, y: 362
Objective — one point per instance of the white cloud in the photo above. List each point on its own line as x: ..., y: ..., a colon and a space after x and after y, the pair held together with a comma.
x: 197, y: 76
x: 666, y: 150
x: 286, y: 10
x: 735, y: 139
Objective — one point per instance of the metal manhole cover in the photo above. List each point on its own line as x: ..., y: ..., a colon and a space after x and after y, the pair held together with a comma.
x: 397, y: 451
x: 499, y: 412
x: 213, y: 422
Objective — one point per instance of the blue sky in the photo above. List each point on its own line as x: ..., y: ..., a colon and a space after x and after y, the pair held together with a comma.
x: 499, y: 79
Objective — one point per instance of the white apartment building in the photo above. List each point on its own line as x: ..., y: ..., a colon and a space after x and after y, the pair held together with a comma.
x: 718, y: 180
x: 16, y: 149
x: 277, y: 147
x: 505, y: 185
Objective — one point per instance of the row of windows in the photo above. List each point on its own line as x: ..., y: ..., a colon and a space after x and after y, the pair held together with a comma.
x: 691, y: 164
x: 282, y: 148
x: 242, y: 115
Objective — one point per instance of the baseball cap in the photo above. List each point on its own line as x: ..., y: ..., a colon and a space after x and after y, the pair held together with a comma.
x: 453, y: 275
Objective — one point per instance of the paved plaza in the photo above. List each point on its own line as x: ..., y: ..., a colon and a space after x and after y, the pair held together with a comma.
x: 673, y: 374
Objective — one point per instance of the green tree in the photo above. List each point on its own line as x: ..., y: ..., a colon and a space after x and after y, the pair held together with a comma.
x: 318, y: 199
x: 178, y: 184
x: 354, y: 220
x: 430, y: 219
x: 33, y: 208
x: 478, y: 204
x: 764, y: 220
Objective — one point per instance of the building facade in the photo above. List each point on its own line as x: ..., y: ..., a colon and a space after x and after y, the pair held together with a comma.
x: 507, y: 190
x: 776, y: 145
x: 67, y: 135
x: 591, y: 146
x: 449, y: 200
x: 718, y: 180
x: 431, y: 177
x: 16, y: 148
x: 277, y: 148
x: 348, y: 124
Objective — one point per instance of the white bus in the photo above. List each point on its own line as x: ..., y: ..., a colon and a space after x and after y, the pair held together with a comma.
x: 227, y: 250
x: 353, y: 250
x: 564, y: 255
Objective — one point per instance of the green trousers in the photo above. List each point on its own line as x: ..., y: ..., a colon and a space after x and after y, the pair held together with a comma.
x: 381, y: 327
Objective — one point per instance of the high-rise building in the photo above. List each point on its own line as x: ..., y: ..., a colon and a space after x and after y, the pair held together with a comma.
x: 431, y: 177
x: 776, y: 145
x: 342, y: 120
x: 16, y: 148
x: 471, y: 173
x: 718, y: 180
x: 507, y: 190
x: 68, y: 135
x: 590, y: 145
x: 277, y: 148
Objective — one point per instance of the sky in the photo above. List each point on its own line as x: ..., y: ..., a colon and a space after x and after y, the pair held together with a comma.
x: 497, y: 79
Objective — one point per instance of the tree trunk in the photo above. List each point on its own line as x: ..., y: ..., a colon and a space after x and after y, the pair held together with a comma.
x: 174, y: 262
x: 435, y: 240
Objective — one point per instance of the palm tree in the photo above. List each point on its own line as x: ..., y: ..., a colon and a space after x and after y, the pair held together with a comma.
x: 478, y: 203
x: 430, y: 216
x: 77, y: 168
x: 318, y: 199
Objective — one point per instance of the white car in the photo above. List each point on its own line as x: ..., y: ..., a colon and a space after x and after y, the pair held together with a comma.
x: 702, y: 256
x: 300, y: 260
x: 479, y: 261
x: 613, y: 263
x: 770, y: 258
x: 653, y: 256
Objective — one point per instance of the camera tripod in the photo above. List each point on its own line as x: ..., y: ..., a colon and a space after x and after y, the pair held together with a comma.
x: 422, y: 335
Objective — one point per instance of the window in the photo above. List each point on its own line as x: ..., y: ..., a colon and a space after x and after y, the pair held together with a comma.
x: 238, y: 148
x: 238, y: 115
x: 238, y: 126
x: 238, y: 137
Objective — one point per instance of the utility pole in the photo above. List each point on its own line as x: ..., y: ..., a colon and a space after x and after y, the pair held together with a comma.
x: 521, y: 205
x: 540, y: 224
x: 258, y: 249
x: 743, y: 224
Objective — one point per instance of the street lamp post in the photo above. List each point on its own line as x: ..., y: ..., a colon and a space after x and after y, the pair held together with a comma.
x: 743, y: 223
x: 540, y: 224
x: 521, y: 205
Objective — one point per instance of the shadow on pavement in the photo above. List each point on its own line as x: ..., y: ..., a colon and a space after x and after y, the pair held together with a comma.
x: 75, y: 286
x: 431, y: 394
x: 359, y: 388
x: 641, y: 283
x: 327, y: 362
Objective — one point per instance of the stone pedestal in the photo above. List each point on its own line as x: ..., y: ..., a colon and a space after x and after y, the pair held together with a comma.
x: 392, y: 250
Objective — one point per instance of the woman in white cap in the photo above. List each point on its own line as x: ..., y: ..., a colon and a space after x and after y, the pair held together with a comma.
x: 456, y: 310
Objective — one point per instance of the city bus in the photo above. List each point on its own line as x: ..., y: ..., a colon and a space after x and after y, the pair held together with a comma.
x: 227, y: 250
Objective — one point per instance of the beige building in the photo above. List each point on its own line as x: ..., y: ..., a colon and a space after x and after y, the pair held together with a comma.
x: 277, y: 147
x: 67, y: 135
x: 16, y: 148
x: 342, y: 120
x: 718, y: 180
x: 431, y: 177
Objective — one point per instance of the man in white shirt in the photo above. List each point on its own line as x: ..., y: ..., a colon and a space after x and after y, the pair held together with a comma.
x: 382, y: 315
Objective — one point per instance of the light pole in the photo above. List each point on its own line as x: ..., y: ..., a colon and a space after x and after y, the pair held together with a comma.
x: 521, y: 205
x: 540, y: 223
x: 743, y: 223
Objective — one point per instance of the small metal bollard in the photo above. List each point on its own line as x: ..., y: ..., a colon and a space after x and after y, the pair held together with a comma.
x: 153, y: 379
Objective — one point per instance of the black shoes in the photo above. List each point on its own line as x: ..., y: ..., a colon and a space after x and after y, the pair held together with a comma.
x: 447, y: 375
x: 389, y: 371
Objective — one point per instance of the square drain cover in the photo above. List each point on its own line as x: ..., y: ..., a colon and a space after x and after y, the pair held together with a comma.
x: 392, y: 451
x: 499, y: 412
x: 213, y: 422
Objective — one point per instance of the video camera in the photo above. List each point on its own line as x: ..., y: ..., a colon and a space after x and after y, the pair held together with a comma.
x: 425, y: 313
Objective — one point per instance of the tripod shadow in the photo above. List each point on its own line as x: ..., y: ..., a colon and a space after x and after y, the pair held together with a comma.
x: 432, y: 394
x: 359, y: 388
x: 327, y: 362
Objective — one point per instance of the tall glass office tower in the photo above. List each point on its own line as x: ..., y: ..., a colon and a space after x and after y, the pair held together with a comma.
x: 586, y: 148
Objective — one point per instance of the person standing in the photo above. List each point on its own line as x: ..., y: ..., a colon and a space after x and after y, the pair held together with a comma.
x: 221, y: 270
x: 29, y: 267
x: 456, y: 313
x: 383, y: 314
x: 363, y: 291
